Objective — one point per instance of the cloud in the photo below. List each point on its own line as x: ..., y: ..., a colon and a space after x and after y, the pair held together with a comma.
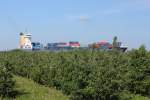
x: 81, y: 18
x: 145, y: 3
x: 139, y: 3
x: 86, y: 18
x: 110, y: 11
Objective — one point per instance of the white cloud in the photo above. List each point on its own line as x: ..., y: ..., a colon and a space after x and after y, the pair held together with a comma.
x: 110, y: 11
x: 138, y: 4
x: 81, y: 18
x: 145, y: 3
x: 84, y: 18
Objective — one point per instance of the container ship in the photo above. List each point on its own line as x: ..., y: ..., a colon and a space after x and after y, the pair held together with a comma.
x: 27, y: 44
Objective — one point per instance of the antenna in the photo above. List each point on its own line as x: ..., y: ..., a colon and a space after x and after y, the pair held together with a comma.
x: 26, y: 30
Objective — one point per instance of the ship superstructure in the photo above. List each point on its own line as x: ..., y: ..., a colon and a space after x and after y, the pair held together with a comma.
x: 25, y: 41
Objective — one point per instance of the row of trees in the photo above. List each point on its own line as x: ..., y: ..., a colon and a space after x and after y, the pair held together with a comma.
x: 86, y: 75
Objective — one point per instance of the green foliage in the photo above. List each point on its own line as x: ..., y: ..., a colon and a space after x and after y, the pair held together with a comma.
x: 29, y: 90
x: 86, y: 75
x: 6, y: 81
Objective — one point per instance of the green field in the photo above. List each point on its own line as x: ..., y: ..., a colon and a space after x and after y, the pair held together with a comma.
x: 33, y: 91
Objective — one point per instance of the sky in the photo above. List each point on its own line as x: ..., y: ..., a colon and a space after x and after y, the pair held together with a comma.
x: 86, y: 21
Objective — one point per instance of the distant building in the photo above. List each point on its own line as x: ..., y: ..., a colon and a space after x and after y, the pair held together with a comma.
x: 25, y: 41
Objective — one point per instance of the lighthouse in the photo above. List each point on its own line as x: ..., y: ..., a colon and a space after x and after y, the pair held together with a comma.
x: 25, y: 41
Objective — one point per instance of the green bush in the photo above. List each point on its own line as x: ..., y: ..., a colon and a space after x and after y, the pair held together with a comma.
x: 86, y: 75
x: 6, y: 82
